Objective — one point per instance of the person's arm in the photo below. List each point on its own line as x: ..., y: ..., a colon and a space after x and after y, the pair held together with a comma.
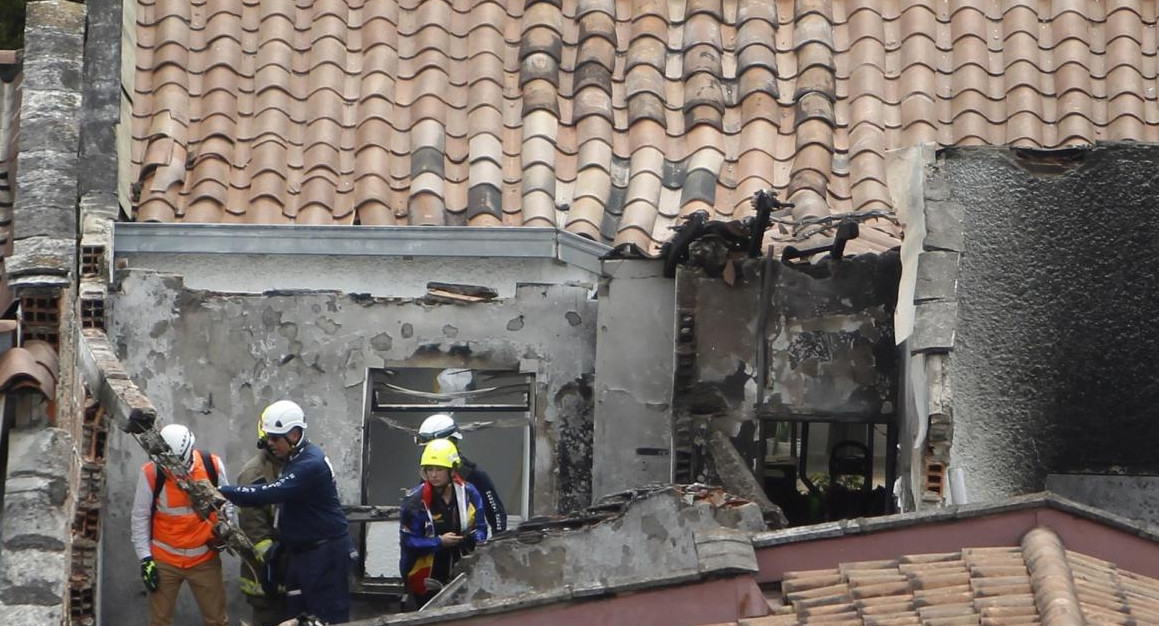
x: 223, y: 481
x: 141, y: 518
x: 480, y: 531
x: 410, y: 534
x: 299, y: 482
x: 492, y: 505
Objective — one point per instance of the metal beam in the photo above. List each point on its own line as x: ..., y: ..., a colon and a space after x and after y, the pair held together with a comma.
x: 447, y: 408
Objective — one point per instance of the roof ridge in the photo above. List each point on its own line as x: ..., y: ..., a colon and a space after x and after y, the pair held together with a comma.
x: 1051, y: 578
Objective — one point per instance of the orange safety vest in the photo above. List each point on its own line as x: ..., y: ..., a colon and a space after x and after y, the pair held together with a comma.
x: 180, y: 537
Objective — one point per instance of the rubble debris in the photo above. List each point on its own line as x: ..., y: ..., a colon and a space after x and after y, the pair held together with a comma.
x: 644, y: 537
x: 736, y: 476
x: 450, y: 292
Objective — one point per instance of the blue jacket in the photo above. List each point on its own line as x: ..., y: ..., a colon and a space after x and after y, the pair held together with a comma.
x: 493, y: 507
x: 307, y: 499
x: 417, y: 536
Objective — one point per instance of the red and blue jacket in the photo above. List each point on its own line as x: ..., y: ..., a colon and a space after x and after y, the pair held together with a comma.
x: 417, y: 536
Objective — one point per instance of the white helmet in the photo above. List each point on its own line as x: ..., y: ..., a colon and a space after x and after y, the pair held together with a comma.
x: 283, y: 416
x: 180, y: 441
x: 438, y: 426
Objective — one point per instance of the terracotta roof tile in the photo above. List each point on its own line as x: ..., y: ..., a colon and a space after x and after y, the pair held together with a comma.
x: 1038, y: 582
x: 511, y: 112
x: 33, y: 366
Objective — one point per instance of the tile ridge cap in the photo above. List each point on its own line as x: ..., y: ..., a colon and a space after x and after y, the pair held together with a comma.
x: 1051, y: 579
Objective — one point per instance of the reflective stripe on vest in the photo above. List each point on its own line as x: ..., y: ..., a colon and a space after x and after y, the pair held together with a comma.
x: 179, y: 535
x: 185, y: 552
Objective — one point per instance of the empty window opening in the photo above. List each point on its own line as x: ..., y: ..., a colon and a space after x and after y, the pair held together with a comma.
x: 819, y: 471
x: 492, y: 408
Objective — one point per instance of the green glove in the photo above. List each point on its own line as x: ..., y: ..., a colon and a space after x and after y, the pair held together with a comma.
x: 149, y: 574
x: 261, y: 548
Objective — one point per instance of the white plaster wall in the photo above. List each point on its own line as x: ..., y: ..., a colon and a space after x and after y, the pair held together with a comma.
x: 633, y: 388
x: 379, y: 276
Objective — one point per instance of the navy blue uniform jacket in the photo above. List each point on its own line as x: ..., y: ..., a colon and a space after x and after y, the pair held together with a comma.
x: 309, y: 510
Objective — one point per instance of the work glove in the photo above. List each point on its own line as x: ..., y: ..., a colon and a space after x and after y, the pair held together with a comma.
x: 215, y: 543
x: 149, y: 574
x: 261, y: 548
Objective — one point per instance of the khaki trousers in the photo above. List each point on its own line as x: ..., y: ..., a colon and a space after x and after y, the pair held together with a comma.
x: 204, y: 581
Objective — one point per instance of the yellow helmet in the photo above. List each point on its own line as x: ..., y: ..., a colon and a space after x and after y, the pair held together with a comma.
x: 262, y: 431
x: 440, y: 453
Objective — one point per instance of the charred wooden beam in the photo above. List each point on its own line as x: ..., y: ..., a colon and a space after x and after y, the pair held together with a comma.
x: 737, y: 478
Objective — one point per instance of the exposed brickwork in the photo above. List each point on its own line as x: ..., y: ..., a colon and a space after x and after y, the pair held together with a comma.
x: 87, y: 521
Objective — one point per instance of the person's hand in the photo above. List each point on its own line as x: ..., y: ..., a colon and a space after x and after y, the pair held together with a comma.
x: 215, y: 543
x: 261, y: 548
x: 450, y: 539
x: 150, y: 575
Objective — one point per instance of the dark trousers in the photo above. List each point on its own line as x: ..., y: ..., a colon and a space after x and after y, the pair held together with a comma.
x: 268, y: 611
x: 318, y: 581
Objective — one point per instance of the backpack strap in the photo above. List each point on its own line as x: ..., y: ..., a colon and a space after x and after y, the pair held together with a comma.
x: 210, y: 466
x: 158, y: 485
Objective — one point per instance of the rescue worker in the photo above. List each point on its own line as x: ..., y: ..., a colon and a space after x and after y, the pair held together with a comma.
x: 311, y: 527
x: 172, y: 542
x: 257, y: 522
x: 443, y: 426
x: 439, y: 522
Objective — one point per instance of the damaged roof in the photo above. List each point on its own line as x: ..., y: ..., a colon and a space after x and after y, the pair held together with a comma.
x: 608, y: 118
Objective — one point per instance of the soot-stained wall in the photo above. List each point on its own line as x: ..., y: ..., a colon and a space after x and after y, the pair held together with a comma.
x: 213, y: 361
x: 1053, y: 363
x: 826, y: 333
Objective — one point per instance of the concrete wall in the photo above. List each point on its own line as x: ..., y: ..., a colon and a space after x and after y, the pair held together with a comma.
x: 659, y: 535
x: 213, y: 361
x: 36, y: 537
x: 1134, y: 497
x: 830, y: 334
x: 388, y: 277
x: 1052, y: 360
x: 632, y: 439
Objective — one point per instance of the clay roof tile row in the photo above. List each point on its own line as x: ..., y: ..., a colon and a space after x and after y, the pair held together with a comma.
x: 1039, y: 582
x: 576, y: 113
